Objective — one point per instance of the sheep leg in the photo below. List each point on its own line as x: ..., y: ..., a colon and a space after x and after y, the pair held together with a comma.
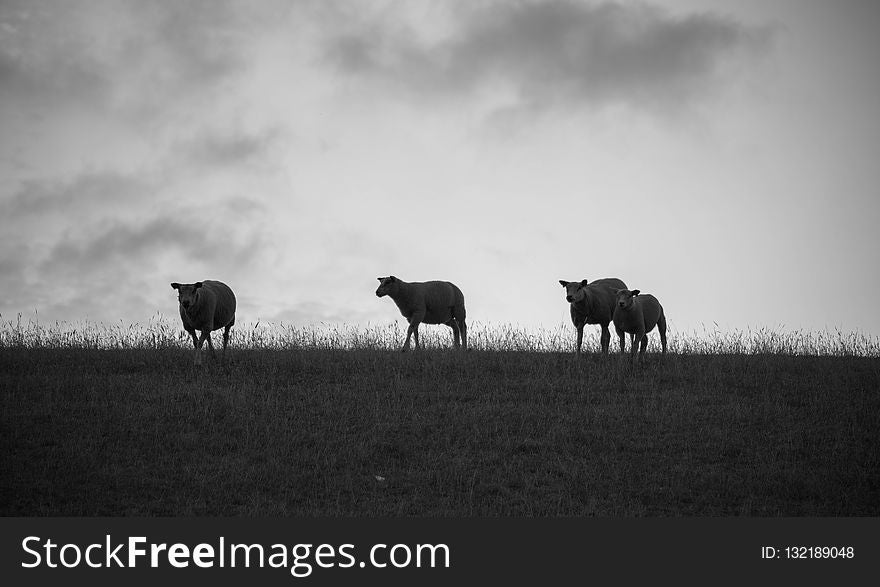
x: 211, y: 346
x: 409, y: 332
x: 661, y: 328
x: 226, y: 339
x: 634, y: 341
x: 643, y: 347
x: 206, y: 334
x: 415, y: 330
x: 195, y: 338
x: 580, y: 338
x: 412, y: 331
x: 605, y: 338
x: 621, y: 335
x: 414, y: 322
x: 455, y: 333
x: 463, y: 327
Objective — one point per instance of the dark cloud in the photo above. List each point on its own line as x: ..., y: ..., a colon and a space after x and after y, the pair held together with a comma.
x: 60, y: 237
x: 555, y: 51
x: 126, y: 55
x: 188, y: 234
x: 226, y: 148
x: 122, y: 268
x: 62, y: 243
x: 44, y: 58
x: 202, y: 39
x: 109, y: 193
x: 87, y: 191
x: 244, y: 208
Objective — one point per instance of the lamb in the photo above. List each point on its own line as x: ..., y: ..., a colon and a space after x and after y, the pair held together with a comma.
x: 637, y: 314
x: 206, y: 306
x: 592, y: 303
x: 431, y: 302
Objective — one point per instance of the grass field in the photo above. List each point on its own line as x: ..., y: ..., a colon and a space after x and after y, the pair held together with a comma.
x: 333, y: 422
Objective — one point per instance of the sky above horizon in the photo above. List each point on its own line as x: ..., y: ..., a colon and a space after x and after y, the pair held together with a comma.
x: 720, y: 155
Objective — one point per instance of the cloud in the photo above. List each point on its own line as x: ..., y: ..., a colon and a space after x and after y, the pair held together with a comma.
x: 124, y: 56
x: 147, y: 152
x: 123, y: 267
x: 188, y: 233
x: 93, y: 194
x: 556, y: 51
x: 63, y: 241
x: 40, y: 198
x: 128, y: 244
x: 228, y: 148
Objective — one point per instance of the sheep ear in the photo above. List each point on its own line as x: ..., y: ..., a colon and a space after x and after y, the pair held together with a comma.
x: 175, y: 285
x: 392, y: 279
x: 380, y: 278
x: 563, y: 283
x: 583, y: 282
x: 635, y: 292
x: 197, y: 285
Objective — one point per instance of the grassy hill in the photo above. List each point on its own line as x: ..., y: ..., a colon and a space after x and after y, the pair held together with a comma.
x: 312, y: 430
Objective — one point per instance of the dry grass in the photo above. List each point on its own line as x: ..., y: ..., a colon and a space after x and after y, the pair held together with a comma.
x: 161, y: 332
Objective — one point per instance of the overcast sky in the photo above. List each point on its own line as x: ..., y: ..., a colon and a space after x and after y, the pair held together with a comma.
x: 724, y: 156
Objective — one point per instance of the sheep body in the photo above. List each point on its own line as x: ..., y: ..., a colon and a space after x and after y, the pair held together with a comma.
x: 592, y: 303
x: 637, y: 314
x: 431, y: 302
x: 207, y: 306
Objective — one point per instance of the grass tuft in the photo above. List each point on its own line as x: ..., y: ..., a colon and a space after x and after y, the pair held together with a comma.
x: 161, y: 332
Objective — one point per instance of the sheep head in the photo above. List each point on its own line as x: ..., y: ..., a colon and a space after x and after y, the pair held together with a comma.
x: 625, y: 298
x: 574, y: 290
x: 187, y: 293
x: 387, y: 285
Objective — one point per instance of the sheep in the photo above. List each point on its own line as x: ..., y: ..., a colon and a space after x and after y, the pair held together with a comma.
x: 637, y: 314
x: 592, y: 303
x: 206, y: 306
x: 431, y: 302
